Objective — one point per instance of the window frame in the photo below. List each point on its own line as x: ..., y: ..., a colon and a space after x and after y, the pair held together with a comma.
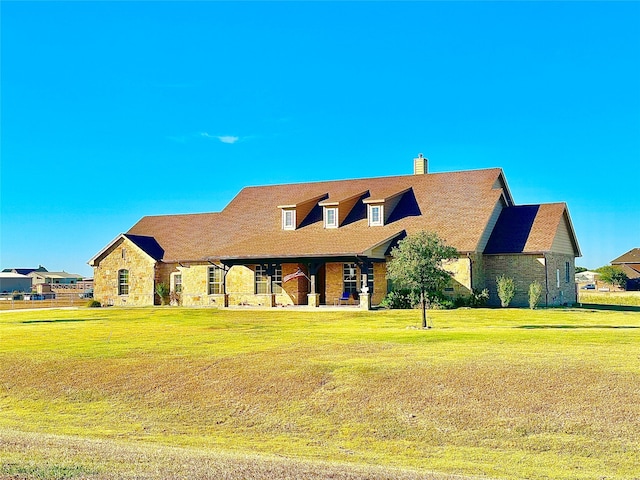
x: 288, y: 219
x: 214, y: 281
x: 260, y: 280
x: 334, y: 223
x: 276, y: 280
x: 123, y: 282
x: 380, y: 221
x: 349, y: 280
x: 176, y: 285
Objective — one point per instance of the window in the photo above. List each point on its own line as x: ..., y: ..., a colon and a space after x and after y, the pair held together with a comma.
x: 558, y: 278
x: 375, y: 215
x: 215, y: 281
x: 177, y: 283
x: 330, y: 217
x: 261, y: 279
x: 370, y: 280
x: 567, y: 272
x: 289, y: 219
x: 124, y: 253
x: 276, y: 280
x: 349, y: 278
x: 123, y: 282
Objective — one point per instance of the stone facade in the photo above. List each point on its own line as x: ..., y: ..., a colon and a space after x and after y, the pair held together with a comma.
x: 554, y: 271
x: 125, y: 255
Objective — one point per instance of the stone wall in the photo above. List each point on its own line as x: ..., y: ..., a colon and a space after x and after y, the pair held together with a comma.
x: 124, y: 255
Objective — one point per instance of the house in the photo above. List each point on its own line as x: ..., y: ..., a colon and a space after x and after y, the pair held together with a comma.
x: 14, y: 282
x: 54, y: 278
x: 317, y: 243
x: 630, y: 265
x: 25, y: 271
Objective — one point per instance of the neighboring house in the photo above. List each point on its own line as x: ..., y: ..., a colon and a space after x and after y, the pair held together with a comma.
x: 55, y: 278
x: 630, y: 265
x: 25, y: 271
x: 14, y: 282
x: 311, y: 243
x: 587, y: 277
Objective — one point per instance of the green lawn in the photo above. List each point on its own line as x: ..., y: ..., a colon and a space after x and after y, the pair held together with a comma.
x: 296, y: 394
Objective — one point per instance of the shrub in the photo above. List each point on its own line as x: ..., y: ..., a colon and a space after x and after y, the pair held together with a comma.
x: 162, y: 289
x: 478, y: 298
x: 535, y: 293
x: 94, y: 304
x: 506, y: 289
x: 398, y: 299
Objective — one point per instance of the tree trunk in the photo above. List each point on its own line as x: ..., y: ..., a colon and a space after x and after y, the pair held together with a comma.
x: 424, y: 310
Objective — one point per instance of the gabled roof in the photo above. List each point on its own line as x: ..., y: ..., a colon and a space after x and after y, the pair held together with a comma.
x: 25, y: 271
x: 456, y: 205
x: 60, y: 275
x: 148, y: 244
x: 530, y: 229
x: 632, y: 256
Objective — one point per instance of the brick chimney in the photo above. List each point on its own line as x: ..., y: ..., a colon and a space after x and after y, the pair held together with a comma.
x: 420, y: 165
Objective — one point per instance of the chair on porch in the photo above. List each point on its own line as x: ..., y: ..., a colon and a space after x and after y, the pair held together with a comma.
x: 344, y: 298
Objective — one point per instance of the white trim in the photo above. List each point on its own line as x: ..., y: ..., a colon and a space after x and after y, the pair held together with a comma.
x: 288, y: 219
x: 333, y: 224
x: 380, y: 221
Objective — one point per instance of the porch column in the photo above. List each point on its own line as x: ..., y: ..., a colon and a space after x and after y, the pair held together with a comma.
x: 271, y: 298
x: 365, y: 295
x: 313, y: 298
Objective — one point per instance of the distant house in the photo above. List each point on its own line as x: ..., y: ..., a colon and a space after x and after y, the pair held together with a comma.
x: 630, y: 265
x: 54, y: 278
x: 587, y: 277
x: 25, y: 271
x: 14, y: 282
x: 317, y: 243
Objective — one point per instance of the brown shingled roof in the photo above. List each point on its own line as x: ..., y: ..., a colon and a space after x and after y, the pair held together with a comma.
x: 457, y: 206
x: 632, y: 256
x: 527, y: 229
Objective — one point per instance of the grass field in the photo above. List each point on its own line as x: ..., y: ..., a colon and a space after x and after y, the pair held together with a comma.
x: 609, y: 298
x: 203, y: 393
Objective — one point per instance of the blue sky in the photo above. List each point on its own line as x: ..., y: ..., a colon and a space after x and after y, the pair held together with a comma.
x: 111, y: 111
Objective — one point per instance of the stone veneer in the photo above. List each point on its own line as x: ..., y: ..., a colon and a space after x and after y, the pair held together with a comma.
x: 124, y: 254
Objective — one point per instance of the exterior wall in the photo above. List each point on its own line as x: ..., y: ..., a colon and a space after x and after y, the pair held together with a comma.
x: 334, y: 282
x: 565, y: 293
x: 478, y: 279
x: 525, y: 269
x: 15, y: 282
x: 141, y: 276
x: 460, y: 285
x: 294, y: 292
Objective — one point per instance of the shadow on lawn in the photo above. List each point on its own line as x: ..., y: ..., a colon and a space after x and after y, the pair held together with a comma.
x: 63, y: 320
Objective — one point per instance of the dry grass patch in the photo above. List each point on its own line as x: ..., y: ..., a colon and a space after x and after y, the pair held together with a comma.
x: 497, y: 393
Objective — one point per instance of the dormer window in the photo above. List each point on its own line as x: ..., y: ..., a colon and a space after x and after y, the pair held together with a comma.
x: 376, y: 215
x: 330, y: 217
x: 288, y: 219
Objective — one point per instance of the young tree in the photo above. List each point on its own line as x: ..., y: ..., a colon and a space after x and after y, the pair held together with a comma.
x: 613, y: 275
x: 506, y: 289
x: 416, y: 265
x: 535, y: 293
